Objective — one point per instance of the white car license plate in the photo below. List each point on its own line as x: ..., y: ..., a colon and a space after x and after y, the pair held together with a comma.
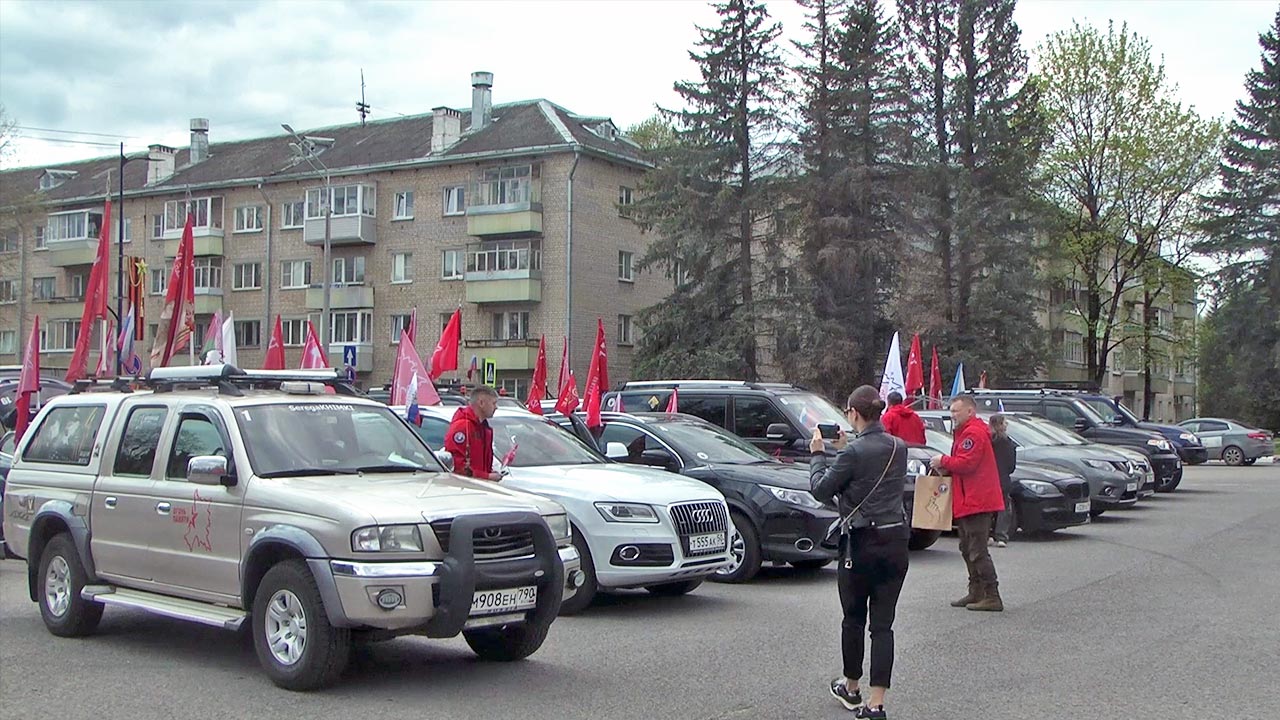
x: 1131, y: 487
x: 1082, y: 507
x: 703, y: 543
x: 493, y: 602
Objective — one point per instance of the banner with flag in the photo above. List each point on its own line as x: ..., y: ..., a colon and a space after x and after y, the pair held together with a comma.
x: 445, y: 356
x: 105, y: 357
x: 410, y: 383
x: 137, y: 290
x: 673, y: 402
x: 28, y: 381
x: 568, y: 400
x: 891, y: 378
x: 275, y: 349
x: 230, y: 351
x: 95, y: 299
x: 211, y: 353
x: 958, y: 386
x: 935, y: 382
x: 177, y: 320
x: 313, y: 355
x: 130, y: 363
x: 538, y: 388
x: 597, y: 376
x: 915, y: 368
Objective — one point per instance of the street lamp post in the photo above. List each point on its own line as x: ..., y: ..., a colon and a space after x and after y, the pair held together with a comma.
x: 306, y: 149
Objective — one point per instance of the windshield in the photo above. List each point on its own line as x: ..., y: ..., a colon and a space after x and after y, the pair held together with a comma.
x: 1059, y: 434
x: 808, y: 410
x: 1108, y: 409
x: 331, y: 438
x: 537, y: 443
x: 937, y: 440
x: 710, y: 444
x: 1023, y: 432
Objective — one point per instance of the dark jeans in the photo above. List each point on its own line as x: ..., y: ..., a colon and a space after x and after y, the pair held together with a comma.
x: 870, y: 578
x: 974, y: 531
x: 1004, y: 520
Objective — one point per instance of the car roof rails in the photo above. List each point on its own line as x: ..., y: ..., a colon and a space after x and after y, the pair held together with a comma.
x: 1083, y: 386
x: 122, y: 384
x: 233, y: 381
x: 713, y: 384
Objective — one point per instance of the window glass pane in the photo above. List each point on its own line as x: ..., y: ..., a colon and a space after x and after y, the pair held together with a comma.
x: 137, y: 452
x: 196, y: 436
x: 711, y: 409
x: 753, y: 415
x: 66, y: 435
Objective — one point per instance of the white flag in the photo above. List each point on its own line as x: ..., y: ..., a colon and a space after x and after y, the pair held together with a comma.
x: 229, y: 352
x: 892, y: 378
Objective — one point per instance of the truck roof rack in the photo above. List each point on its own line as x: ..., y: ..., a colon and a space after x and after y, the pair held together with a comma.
x: 231, y: 380
x: 717, y: 384
x: 1084, y: 386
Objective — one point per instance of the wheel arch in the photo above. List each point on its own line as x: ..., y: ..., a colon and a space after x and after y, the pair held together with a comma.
x: 52, y: 519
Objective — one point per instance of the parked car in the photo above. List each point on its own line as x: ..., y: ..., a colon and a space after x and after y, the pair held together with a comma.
x: 1045, y: 498
x: 1190, y: 448
x: 7, y: 443
x: 1139, y: 468
x: 1069, y: 411
x: 1113, y: 481
x: 221, y: 502
x: 634, y: 527
x: 1231, y: 442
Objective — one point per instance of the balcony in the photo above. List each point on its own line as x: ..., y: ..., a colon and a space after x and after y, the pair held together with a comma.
x: 72, y: 237
x: 364, y: 356
x: 204, y: 242
x: 343, y: 230
x: 341, y: 297
x: 509, y: 207
x: 208, y: 301
x: 506, y: 354
x: 506, y: 271
x: 62, y: 308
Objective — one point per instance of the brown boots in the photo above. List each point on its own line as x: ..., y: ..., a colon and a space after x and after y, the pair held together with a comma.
x: 973, y: 596
x: 988, y: 600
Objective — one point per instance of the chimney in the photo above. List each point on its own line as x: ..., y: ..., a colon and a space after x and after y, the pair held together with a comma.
x: 161, y: 165
x: 199, y: 140
x: 481, y: 99
x: 446, y: 128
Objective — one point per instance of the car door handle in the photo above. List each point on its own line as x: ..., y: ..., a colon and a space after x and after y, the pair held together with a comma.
x: 163, y: 508
x: 110, y: 503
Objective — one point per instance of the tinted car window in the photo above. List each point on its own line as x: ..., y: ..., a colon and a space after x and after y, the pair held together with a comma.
x: 1210, y: 426
x: 753, y: 415
x: 636, y: 441
x: 197, y: 436
x: 137, y: 452
x: 1061, y: 414
x: 713, y: 409
x: 1022, y: 405
x: 66, y: 435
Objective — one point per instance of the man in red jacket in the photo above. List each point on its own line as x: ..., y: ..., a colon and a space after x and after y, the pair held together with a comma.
x: 977, y: 497
x: 470, y: 438
x: 900, y: 420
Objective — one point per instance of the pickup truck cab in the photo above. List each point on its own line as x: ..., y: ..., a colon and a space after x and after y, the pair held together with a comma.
x: 226, y: 497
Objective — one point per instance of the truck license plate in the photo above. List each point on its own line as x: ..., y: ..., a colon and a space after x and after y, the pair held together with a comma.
x: 703, y: 543
x: 1082, y: 507
x: 493, y: 602
x: 1131, y: 487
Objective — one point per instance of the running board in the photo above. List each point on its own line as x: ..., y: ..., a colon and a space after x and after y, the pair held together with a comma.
x: 203, y: 613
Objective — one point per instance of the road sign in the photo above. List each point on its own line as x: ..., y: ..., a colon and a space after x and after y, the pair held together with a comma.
x: 349, y: 355
x: 490, y: 372
x: 351, y: 373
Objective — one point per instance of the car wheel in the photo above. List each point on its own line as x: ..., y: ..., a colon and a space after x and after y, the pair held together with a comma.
x: 1094, y: 512
x: 922, y: 539
x: 744, y: 552
x: 507, y: 643
x: 1250, y: 461
x: 296, y: 645
x: 810, y: 565
x: 675, y: 589
x: 62, y: 577
x: 1233, y: 456
x: 587, y: 593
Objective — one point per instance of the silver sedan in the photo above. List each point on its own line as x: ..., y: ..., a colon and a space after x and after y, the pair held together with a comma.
x: 1232, y: 442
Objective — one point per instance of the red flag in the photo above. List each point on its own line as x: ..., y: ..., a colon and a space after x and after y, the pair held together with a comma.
x: 28, y: 380
x: 178, y: 315
x: 412, y: 332
x: 597, y: 376
x: 445, y: 356
x: 275, y: 349
x: 935, y: 381
x: 673, y: 402
x: 982, y: 381
x: 313, y: 356
x: 538, y: 388
x: 564, y: 367
x: 410, y: 381
x: 95, y: 299
x: 915, y: 368
x: 568, y: 400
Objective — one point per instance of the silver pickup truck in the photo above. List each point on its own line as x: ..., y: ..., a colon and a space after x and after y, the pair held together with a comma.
x: 280, y: 500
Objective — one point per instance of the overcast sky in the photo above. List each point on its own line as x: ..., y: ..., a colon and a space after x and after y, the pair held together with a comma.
x: 137, y: 71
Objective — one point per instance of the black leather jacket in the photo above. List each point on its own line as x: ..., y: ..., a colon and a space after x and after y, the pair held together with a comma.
x: 851, y: 475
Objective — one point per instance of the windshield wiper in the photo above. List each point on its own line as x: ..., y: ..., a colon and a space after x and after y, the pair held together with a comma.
x: 392, y: 468
x: 303, y: 472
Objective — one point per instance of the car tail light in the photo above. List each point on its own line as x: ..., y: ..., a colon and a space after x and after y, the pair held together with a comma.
x: 1260, y: 435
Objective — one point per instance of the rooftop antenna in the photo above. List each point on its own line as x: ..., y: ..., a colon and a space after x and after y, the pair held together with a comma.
x: 362, y: 107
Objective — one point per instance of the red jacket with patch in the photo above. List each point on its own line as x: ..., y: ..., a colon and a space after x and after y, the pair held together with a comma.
x: 903, y: 422
x: 974, y: 475
x: 470, y: 442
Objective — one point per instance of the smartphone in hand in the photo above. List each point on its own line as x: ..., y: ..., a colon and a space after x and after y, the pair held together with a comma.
x: 830, y: 431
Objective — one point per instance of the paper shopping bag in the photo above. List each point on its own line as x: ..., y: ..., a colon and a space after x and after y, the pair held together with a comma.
x: 931, y: 509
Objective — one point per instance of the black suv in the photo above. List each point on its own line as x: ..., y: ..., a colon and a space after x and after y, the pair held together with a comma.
x: 1069, y: 410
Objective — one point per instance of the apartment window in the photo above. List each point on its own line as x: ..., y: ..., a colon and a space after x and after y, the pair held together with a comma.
x: 206, y: 213
x: 626, y: 196
x: 44, y: 288
x: 157, y: 226
x: 292, y: 214
x: 347, y: 200
x: 8, y: 291
x: 8, y: 342
x: 40, y: 239
x: 153, y: 330
x: 625, y: 270
x: 246, y: 276
x: 624, y: 330
x: 444, y: 320
x: 294, y: 332
x: 401, y: 268
x: 511, y: 325
x: 78, y: 283
x: 249, y: 218
x: 455, y: 200
x: 248, y: 333
x: 75, y: 225
x: 505, y: 255
x: 59, y: 335
x: 208, y: 273
x: 128, y: 229
x: 404, y: 205
x: 451, y: 265
x: 9, y: 243
x: 348, y: 271
x: 1072, y: 346
x: 680, y: 274
x: 295, y: 274
x: 506, y: 185
x: 515, y: 387
x: 351, y: 327
x: 159, y: 280
x: 399, y: 324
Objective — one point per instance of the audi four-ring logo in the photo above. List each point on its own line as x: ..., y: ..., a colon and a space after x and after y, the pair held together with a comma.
x: 491, y: 533
x: 703, y: 516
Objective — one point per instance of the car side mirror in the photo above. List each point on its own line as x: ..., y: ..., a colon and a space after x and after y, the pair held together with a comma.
x: 209, y: 470
x: 1117, y: 420
x: 660, y: 458
x: 616, y: 451
x: 779, y: 431
x: 1081, y: 424
x: 446, y: 459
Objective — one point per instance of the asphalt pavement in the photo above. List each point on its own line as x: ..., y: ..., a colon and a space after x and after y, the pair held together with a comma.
x: 1165, y: 611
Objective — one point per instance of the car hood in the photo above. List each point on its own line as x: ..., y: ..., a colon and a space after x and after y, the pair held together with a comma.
x: 1172, y: 433
x: 394, y: 498
x: 609, y: 482
x: 1041, y: 472
x: 792, y: 477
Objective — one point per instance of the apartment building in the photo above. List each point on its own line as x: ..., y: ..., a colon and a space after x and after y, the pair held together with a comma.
x: 514, y: 212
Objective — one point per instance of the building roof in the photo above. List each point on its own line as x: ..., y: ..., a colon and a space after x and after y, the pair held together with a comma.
x: 517, y: 128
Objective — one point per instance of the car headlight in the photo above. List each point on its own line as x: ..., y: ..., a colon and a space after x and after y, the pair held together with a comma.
x: 387, y: 538
x: 916, y: 467
x: 1158, y: 444
x: 1098, y: 464
x: 627, y: 512
x: 1040, y: 488
x: 801, y: 498
x: 560, y: 528
x: 1188, y: 438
